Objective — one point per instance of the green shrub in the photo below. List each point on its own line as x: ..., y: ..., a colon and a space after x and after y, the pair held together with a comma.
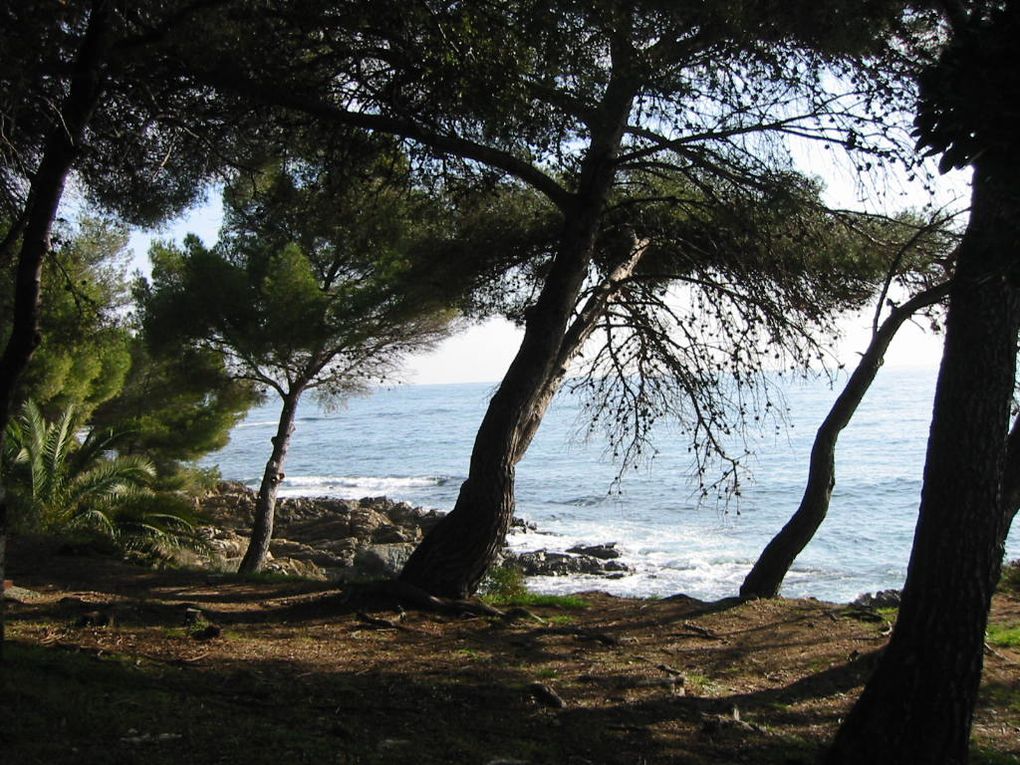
x: 504, y: 586
x: 1010, y: 581
x: 1004, y: 636
x: 60, y: 483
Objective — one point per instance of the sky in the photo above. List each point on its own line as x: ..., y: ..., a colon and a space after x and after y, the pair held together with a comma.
x: 482, y: 352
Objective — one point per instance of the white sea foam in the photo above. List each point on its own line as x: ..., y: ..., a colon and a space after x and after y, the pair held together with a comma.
x: 257, y: 424
x: 356, y: 486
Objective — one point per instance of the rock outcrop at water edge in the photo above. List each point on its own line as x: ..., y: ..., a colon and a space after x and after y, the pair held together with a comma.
x: 343, y: 539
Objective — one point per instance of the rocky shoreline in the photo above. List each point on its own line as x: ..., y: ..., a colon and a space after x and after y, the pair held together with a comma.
x: 332, y: 539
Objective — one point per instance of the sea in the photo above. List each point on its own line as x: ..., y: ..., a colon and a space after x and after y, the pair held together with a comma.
x: 413, y: 443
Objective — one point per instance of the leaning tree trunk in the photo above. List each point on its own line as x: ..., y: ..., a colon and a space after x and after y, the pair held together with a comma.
x: 766, y: 577
x: 454, y: 556
x: 47, y: 188
x: 421, y: 570
x: 265, y: 504
x: 488, y: 531
x: 918, y: 705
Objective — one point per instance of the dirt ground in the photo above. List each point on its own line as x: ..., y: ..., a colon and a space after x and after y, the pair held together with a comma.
x: 108, y: 664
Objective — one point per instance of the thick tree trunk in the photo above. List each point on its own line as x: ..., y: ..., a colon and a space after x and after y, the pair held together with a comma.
x: 918, y: 705
x: 265, y: 504
x: 766, y: 577
x: 47, y: 188
x: 454, y: 556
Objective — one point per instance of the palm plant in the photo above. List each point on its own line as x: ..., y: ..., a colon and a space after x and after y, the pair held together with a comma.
x: 58, y: 482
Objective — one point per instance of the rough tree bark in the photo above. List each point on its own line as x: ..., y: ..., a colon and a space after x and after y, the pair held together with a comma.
x: 265, y: 504
x: 45, y: 192
x: 918, y: 705
x: 766, y: 577
x: 454, y: 556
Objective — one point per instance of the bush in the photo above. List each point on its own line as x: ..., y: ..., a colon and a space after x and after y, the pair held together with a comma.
x: 59, y: 483
x: 1010, y: 581
x: 505, y: 586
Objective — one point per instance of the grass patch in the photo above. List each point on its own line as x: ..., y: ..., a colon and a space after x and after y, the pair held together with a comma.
x: 176, y: 633
x: 566, y: 602
x: 1004, y: 636
x: 701, y: 685
x: 505, y: 586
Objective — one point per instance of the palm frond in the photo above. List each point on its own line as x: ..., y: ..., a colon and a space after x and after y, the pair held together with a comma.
x: 59, y: 441
x: 94, y: 447
x: 110, y: 478
x: 94, y: 519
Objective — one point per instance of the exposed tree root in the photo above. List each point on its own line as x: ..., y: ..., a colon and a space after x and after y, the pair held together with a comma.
x: 393, y: 594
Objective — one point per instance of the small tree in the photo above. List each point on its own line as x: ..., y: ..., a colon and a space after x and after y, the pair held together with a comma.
x: 308, y: 290
x: 767, y: 575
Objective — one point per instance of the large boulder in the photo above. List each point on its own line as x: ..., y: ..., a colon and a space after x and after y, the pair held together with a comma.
x: 384, y: 560
x: 880, y: 599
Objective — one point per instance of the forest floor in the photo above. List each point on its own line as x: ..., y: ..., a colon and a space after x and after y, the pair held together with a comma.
x: 104, y: 662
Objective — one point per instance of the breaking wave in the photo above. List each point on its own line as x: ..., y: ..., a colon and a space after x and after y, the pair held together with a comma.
x: 357, y: 486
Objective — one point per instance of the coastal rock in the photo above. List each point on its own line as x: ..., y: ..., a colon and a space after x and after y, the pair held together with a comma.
x: 366, y: 522
x: 344, y: 539
x: 295, y: 567
x: 546, y: 563
x: 229, y: 505
x: 605, y: 551
x: 286, y: 548
x: 293, y: 509
x: 519, y: 525
x: 224, y: 543
x: 880, y: 599
x: 382, y: 560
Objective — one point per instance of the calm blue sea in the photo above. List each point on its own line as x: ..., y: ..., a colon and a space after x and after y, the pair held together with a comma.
x: 413, y: 443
